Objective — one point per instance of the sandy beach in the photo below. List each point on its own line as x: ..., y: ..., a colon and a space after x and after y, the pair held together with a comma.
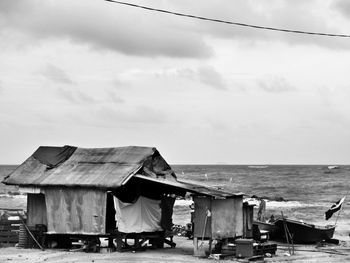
x: 184, y: 249
x: 182, y: 253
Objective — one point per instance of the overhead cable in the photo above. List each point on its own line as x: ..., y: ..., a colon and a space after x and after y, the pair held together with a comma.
x: 228, y: 22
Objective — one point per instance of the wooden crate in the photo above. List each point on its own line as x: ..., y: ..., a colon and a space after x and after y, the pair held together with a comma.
x: 9, y: 230
x: 262, y: 249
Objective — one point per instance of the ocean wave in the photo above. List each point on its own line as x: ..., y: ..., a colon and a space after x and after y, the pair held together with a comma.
x: 8, y: 201
x: 291, y: 204
x: 12, y: 196
x: 269, y: 204
x: 282, y: 204
x: 187, y: 203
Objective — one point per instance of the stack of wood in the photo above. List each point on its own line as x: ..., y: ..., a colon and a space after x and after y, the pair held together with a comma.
x: 9, y: 232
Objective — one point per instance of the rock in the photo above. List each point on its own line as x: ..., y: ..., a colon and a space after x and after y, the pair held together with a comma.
x: 279, y: 199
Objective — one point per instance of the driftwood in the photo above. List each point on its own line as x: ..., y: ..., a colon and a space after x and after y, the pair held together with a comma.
x: 319, y: 251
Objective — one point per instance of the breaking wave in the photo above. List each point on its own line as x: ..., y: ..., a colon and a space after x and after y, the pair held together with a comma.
x: 291, y: 204
x: 269, y: 204
x: 9, y: 201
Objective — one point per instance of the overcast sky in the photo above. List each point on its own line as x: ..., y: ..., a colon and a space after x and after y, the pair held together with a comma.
x: 91, y: 73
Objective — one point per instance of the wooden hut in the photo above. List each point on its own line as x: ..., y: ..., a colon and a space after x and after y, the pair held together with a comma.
x: 113, y: 191
x: 79, y: 191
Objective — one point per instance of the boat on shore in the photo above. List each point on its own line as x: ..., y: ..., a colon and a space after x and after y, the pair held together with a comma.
x: 304, y: 233
x: 266, y: 226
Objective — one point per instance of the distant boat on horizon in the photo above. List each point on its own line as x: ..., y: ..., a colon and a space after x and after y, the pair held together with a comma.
x: 331, y: 167
x: 258, y: 166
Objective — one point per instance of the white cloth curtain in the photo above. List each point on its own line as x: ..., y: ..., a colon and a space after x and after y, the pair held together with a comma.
x: 142, y: 216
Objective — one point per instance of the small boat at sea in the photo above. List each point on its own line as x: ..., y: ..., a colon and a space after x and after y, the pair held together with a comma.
x: 258, y: 166
x: 331, y: 167
x: 304, y: 233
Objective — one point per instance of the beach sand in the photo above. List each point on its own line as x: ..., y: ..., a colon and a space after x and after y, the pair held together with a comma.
x: 184, y: 249
x: 182, y: 253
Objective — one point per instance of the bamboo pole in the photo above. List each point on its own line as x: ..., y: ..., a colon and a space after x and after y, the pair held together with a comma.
x: 30, y: 233
x: 341, y: 208
x: 318, y: 251
x: 291, y: 239
x: 285, y: 232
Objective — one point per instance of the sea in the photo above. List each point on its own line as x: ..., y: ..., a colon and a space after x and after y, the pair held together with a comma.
x: 301, y: 192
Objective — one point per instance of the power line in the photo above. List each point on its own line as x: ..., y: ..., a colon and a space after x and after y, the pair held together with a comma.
x: 228, y: 22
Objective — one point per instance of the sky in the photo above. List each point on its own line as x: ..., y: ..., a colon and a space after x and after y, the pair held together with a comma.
x: 91, y: 73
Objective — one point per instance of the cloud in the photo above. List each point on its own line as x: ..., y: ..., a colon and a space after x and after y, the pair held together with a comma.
x: 343, y: 6
x: 111, y: 95
x: 66, y: 94
x: 75, y: 96
x: 56, y: 74
x: 88, y: 97
x: 138, y: 115
x: 269, y: 13
x: 119, y: 83
x: 117, y: 28
x: 275, y: 84
x: 209, y: 76
x: 138, y: 32
x: 206, y: 75
x: 186, y: 73
x: 84, y: 97
x: 10, y: 6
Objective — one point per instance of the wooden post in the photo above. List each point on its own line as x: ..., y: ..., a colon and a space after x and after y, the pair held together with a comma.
x: 195, y: 245
x: 210, y: 245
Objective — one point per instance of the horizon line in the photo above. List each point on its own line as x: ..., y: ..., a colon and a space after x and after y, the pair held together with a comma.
x: 238, y: 164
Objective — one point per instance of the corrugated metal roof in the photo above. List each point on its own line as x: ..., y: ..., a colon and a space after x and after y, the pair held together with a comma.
x: 97, y: 167
x: 193, y: 188
x: 101, y: 168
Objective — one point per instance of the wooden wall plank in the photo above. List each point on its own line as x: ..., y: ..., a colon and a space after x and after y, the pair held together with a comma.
x: 227, y: 218
x: 201, y: 205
